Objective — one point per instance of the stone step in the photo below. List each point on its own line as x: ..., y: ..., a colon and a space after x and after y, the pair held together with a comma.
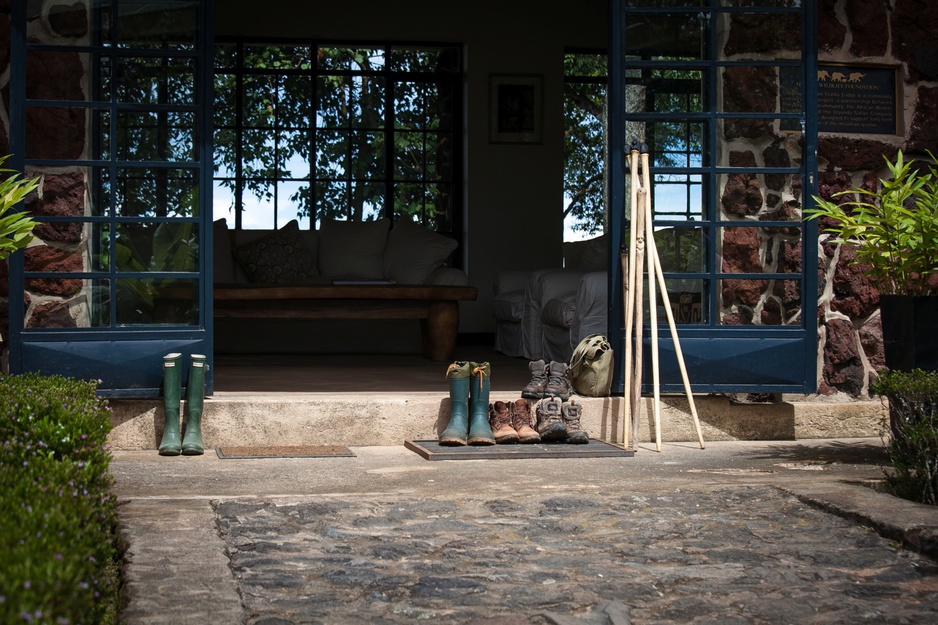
x: 362, y: 419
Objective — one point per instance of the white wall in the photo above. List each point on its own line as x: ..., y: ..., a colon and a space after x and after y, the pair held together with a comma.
x: 514, y: 203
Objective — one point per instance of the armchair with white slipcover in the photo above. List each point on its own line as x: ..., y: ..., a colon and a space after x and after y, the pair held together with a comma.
x: 541, y: 314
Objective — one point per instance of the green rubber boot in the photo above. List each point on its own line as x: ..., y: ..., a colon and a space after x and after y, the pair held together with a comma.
x: 195, y: 394
x: 480, y: 432
x: 172, y: 389
x: 458, y: 428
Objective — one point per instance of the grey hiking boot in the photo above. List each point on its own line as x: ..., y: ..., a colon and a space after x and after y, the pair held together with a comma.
x: 559, y: 383
x: 571, y: 418
x: 550, y: 423
x: 535, y: 388
x: 500, y: 419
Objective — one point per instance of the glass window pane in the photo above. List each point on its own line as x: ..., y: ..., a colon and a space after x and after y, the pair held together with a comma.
x: 670, y: 90
x: 754, y: 195
x: 351, y: 101
x: 277, y: 57
x: 755, y: 89
x: 223, y: 201
x: 332, y: 149
x: 750, y: 36
x: 257, y: 204
x: 367, y: 155
x: 689, y: 300
x: 410, y: 161
x: 439, y: 154
x: 678, y: 197
x: 331, y: 200
x: 425, y: 59
x: 666, y: 36
x: 291, y: 204
x: 147, y: 24
x: 156, y: 136
x: 59, y: 133
x: 156, y: 80
x: 367, y: 201
x: 163, y: 192
x: 354, y: 59
x: 760, y: 302
x: 159, y: 301
x: 226, y: 55
x: 682, y: 249
x: 167, y: 246
x: 677, y: 144
x: 56, y: 75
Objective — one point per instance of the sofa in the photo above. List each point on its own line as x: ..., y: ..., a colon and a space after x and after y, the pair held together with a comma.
x: 407, y: 254
x: 266, y: 282
x: 543, y: 314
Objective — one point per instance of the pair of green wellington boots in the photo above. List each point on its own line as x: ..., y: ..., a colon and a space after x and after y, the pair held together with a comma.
x: 191, y: 445
x: 469, y: 405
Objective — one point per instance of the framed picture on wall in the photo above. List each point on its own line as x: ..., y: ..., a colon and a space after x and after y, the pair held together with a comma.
x: 516, y: 115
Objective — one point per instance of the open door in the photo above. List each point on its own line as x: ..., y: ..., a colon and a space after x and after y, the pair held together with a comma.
x: 111, y: 102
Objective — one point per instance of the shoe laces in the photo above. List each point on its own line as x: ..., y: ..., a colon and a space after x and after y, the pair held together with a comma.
x: 481, y: 371
x: 521, y: 414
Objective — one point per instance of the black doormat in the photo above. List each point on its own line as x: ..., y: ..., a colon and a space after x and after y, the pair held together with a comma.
x: 432, y: 450
x: 289, y: 451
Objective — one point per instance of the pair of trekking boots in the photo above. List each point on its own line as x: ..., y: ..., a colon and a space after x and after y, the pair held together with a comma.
x: 191, y: 444
x: 551, y: 379
x: 557, y: 421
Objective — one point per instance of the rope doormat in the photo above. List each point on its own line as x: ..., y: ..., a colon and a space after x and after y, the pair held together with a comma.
x: 289, y: 451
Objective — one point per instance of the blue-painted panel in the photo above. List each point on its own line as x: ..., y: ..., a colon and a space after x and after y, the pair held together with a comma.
x: 132, y: 367
x: 765, y: 365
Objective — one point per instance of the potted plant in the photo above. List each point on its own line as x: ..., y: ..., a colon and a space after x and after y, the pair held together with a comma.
x: 15, y: 228
x: 895, y: 230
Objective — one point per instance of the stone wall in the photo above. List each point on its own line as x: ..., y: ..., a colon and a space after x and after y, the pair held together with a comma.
x: 896, y: 32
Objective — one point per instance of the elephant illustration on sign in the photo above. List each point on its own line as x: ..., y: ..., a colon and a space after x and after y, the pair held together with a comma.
x: 823, y: 75
x: 838, y: 77
x: 856, y: 76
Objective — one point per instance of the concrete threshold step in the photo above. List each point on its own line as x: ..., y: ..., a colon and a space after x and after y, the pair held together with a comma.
x: 361, y: 419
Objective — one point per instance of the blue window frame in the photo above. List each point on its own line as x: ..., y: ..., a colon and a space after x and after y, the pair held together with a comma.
x: 721, y: 96
x: 111, y: 102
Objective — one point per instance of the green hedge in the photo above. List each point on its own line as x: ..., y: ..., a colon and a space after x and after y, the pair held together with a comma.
x: 58, y: 527
x: 912, y: 443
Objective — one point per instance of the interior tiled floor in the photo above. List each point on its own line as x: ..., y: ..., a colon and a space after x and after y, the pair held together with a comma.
x: 350, y: 373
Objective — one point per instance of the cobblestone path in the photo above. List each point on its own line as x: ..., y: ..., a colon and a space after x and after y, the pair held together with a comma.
x: 728, y: 555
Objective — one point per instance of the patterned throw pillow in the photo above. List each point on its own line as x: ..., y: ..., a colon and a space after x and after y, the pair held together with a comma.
x: 279, y: 258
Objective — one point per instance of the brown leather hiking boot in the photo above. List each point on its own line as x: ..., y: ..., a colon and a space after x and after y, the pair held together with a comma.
x: 523, y: 422
x: 550, y: 423
x: 500, y: 420
x: 535, y: 388
x: 559, y: 383
x: 571, y: 418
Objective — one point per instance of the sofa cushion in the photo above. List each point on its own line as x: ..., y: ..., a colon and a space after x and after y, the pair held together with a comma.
x: 278, y: 258
x: 414, y: 252
x: 223, y: 265
x: 353, y: 249
x: 588, y: 255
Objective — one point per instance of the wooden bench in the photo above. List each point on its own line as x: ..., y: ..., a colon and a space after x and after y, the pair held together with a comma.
x: 436, y: 306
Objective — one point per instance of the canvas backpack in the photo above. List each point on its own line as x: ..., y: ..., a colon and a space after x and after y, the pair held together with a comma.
x: 591, y: 366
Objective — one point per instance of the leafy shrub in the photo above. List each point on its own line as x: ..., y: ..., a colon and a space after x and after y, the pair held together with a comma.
x: 58, y: 529
x: 913, y: 433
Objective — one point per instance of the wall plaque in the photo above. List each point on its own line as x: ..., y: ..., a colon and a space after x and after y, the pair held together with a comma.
x: 851, y: 99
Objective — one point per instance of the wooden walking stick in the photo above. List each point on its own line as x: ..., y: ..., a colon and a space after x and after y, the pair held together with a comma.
x: 659, y: 273
x: 628, y: 282
x: 636, y: 268
x: 650, y: 248
x: 627, y: 356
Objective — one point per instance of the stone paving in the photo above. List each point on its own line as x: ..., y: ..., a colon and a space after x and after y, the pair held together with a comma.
x: 726, y: 555
x: 736, y: 533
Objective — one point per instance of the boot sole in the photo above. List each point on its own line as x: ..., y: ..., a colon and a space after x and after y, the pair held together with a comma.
x: 452, y: 442
x: 554, y: 432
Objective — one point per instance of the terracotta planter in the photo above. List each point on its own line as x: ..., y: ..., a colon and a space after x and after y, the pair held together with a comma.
x: 910, y: 331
